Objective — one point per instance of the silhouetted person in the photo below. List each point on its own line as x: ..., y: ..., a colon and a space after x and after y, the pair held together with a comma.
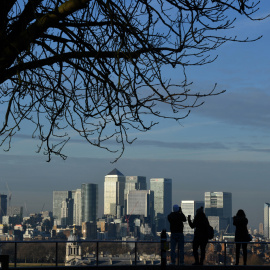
x: 241, y: 234
x: 176, y: 219
x: 200, y: 223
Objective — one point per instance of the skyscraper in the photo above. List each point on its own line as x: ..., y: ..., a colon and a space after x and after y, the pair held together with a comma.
x: 162, y: 188
x: 114, y: 186
x: 89, y: 193
x: 141, y: 203
x: 77, y: 208
x: 219, y: 204
x: 3, y: 206
x: 189, y: 208
x: 67, y: 212
x: 58, y: 198
x: 261, y: 229
x: 266, y: 220
x: 134, y: 183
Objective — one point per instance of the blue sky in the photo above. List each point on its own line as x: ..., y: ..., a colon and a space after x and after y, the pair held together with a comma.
x: 222, y: 146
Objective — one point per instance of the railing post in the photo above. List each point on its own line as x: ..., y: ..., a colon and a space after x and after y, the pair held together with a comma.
x: 225, y: 254
x: 56, y: 253
x: 97, y: 254
x: 135, y: 262
x: 163, y: 247
x: 15, y: 255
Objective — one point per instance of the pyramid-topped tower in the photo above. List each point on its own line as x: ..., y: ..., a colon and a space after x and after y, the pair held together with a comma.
x: 114, y: 186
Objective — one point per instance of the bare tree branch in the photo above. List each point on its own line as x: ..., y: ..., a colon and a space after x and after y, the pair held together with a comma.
x: 97, y: 67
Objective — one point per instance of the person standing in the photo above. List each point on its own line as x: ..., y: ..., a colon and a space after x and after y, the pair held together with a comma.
x: 200, y: 240
x: 176, y: 219
x: 241, y: 235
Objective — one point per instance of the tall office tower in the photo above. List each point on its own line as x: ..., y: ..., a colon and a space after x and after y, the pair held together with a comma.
x: 189, y: 208
x: 134, y: 183
x: 58, y: 198
x: 67, y: 212
x: 89, y: 202
x: 3, y: 206
x: 141, y: 203
x: 162, y: 188
x: 261, y: 228
x: 266, y: 220
x: 77, y: 208
x: 219, y: 204
x: 114, y: 186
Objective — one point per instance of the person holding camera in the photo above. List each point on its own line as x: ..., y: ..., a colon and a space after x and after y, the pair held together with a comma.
x: 176, y: 219
x: 200, y: 240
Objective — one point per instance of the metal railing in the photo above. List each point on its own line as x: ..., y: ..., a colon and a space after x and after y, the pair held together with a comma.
x: 134, y: 249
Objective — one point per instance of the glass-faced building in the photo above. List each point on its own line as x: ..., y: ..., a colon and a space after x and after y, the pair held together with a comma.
x: 140, y: 202
x: 67, y: 212
x: 133, y: 183
x: 266, y: 220
x: 114, y: 186
x: 58, y: 198
x: 89, y: 202
x: 219, y: 204
x: 77, y: 208
x: 3, y: 206
x: 189, y: 207
x: 162, y: 188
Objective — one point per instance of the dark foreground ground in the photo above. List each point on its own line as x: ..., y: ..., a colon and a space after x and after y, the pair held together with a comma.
x: 150, y: 267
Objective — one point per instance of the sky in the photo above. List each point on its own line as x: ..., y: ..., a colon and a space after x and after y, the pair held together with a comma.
x: 222, y: 146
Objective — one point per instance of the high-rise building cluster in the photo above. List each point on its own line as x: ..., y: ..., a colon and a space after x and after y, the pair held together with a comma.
x: 127, y: 198
x: 76, y: 206
x: 131, y: 209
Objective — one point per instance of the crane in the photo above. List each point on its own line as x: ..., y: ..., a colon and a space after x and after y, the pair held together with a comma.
x: 42, y: 208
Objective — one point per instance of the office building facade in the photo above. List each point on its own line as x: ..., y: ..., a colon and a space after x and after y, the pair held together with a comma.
x: 133, y: 183
x: 58, y: 198
x: 219, y: 204
x: 89, y: 202
x: 189, y: 207
x: 3, y: 206
x: 141, y: 203
x: 77, y: 207
x: 114, y: 186
x: 67, y: 212
x: 266, y: 220
x: 162, y: 188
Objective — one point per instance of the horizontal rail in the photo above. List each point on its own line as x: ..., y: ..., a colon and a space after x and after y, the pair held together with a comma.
x: 120, y: 241
x: 98, y: 242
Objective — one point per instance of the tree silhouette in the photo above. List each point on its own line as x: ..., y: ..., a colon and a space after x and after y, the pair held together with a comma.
x: 100, y: 67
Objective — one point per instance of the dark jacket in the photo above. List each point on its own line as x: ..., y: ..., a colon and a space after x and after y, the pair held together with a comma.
x: 241, y: 231
x: 176, y: 220
x: 201, y: 224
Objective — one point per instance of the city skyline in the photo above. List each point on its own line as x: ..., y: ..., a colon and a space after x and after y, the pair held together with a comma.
x: 222, y: 146
x: 252, y: 223
x: 71, y: 194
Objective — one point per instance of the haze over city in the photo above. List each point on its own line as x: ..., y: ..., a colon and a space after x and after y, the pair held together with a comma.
x: 222, y: 146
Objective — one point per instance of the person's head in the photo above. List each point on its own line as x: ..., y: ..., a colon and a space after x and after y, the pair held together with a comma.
x: 199, y: 210
x: 176, y: 208
x: 240, y: 213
